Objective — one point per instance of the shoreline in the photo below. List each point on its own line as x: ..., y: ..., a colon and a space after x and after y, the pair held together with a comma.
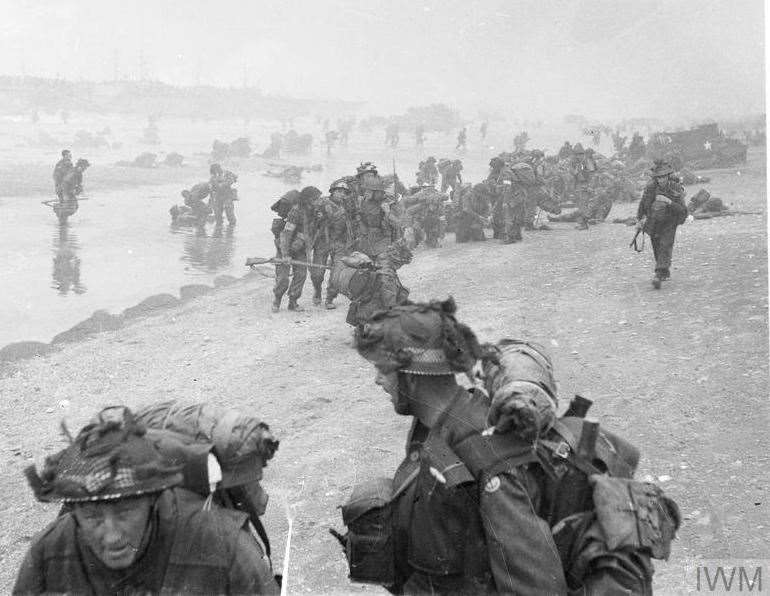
x: 101, y: 320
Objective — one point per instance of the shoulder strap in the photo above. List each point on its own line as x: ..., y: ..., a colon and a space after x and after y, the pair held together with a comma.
x: 493, y: 454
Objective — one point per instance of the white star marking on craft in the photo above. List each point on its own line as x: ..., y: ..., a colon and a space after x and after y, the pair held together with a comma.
x: 707, y: 145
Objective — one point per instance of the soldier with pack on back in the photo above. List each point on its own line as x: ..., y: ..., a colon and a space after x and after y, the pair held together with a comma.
x: 661, y: 210
x: 128, y: 527
x: 496, y: 494
x: 332, y: 239
x: 293, y: 244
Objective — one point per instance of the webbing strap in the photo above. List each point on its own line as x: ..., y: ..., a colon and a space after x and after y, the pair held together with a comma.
x: 493, y: 454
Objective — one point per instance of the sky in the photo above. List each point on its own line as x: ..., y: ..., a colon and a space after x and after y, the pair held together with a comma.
x: 539, y: 58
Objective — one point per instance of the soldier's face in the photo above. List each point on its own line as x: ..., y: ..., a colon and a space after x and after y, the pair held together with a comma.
x: 390, y: 385
x: 113, y: 530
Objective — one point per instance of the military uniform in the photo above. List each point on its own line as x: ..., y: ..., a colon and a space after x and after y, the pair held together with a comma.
x: 62, y: 168
x: 192, y: 550
x: 662, y: 208
x: 127, y: 528
x: 222, y: 196
x: 496, y: 494
x: 292, y: 244
x: 473, y: 209
x: 331, y: 242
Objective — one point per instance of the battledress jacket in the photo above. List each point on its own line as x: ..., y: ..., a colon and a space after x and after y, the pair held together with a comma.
x: 447, y: 546
x: 191, y: 551
x: 673, y: 214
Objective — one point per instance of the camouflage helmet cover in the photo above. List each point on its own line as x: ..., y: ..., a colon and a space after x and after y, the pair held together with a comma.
x: 339, y: 185
x: 419, y: 339
x: 661, y: 167
x: 110, y: 459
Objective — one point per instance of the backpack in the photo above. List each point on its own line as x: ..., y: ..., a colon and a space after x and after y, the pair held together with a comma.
x: 241, y: 444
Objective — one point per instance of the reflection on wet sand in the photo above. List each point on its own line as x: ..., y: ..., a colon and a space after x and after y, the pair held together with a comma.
x: 66, y: 262
x: 204, y: 252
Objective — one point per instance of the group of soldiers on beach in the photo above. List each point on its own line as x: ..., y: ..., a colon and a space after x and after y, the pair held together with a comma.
x: 369, y: 225
x: 221, y: 194
x: 496, y: 493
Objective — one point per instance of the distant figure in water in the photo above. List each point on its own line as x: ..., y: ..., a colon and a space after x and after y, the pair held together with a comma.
x: 62, y: 168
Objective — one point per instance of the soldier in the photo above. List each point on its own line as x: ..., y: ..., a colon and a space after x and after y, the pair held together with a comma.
x: 419, y: 135
x: 636, y: 149
x: 332, y: 239
x: 462, y: 137
x: 417, y: 349
x: 661, y: 209
x: 473, y: 213
x: 62, y: 168
x: 194, y: 197
x: 428, y: 172
x: 450, y: 174
x: 566, y: 151
x: 376, y: 227
x: 72, y: 185
x: 496, y: 494
x: 483, y: 130
x: 513, y: 202
x: 382, y: 287
x: 223, y: 194
x: 581, y: 175
x: 130, y: 529
x: 294, y: 245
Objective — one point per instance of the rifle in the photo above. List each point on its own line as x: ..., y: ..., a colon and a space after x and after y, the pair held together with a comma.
x: 253, y: 261
x: 50, y: 202
x: 634, y: 244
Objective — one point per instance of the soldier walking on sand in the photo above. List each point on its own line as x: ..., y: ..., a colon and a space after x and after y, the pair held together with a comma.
x: 660, y: 211
x: 294, y: 245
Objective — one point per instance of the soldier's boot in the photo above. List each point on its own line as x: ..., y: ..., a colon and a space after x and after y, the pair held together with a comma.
x: 329, y: 305
x: 656, y: 281
x: 276, y: 306
x: 317, y: 297
x: 294, y: 306
x: 582, y: 223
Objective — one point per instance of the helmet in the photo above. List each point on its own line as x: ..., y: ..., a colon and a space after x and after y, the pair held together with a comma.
x: 661, y: 167
x: 82, y: 163
x: 186, y: 194
x: 431, y: 159
x: 419, y: 339
x: 110, y: 459
x: 339, y: 185
x: 309, y: 194
x: 578, y: 149
x: 66, y: 152
x: 537, y: 154
x: 214, y: 169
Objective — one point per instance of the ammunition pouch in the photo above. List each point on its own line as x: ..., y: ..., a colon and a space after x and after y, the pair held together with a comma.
x: 369, y: 541
x: 298, y: 244
x: 635, y: 515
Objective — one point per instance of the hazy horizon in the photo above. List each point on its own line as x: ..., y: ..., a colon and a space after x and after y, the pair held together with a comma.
x: 601, y: 58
